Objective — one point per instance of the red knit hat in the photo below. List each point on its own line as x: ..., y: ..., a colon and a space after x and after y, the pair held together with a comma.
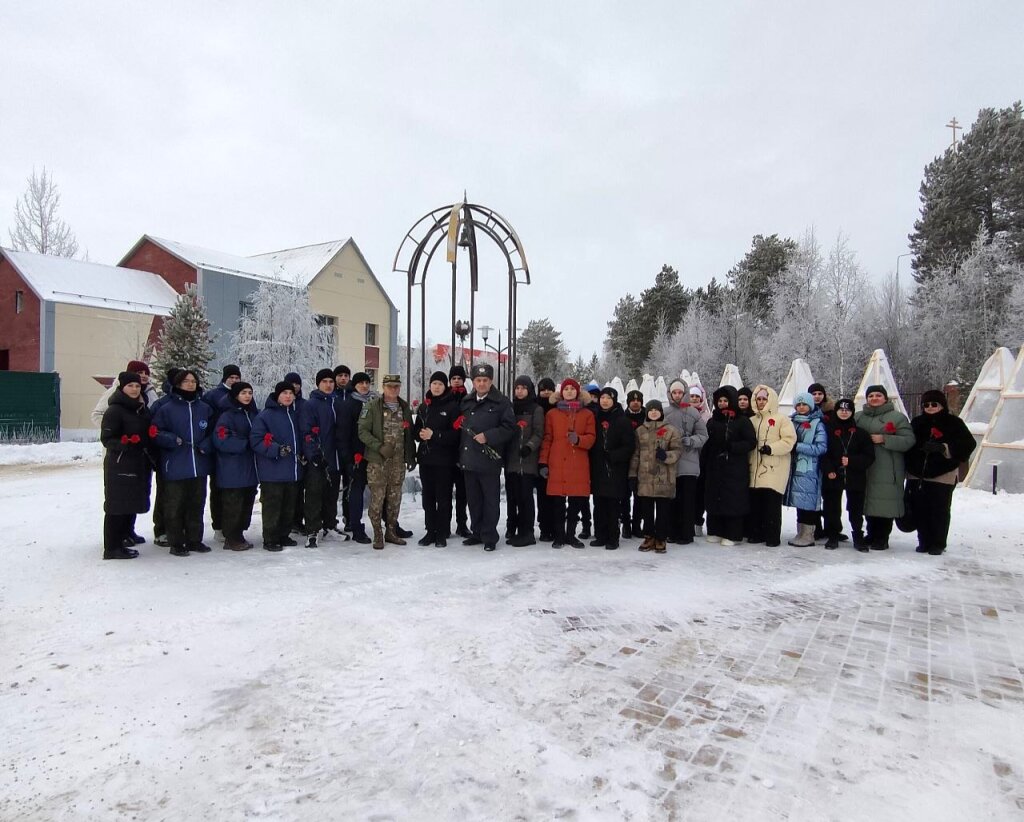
x: 138, y: 367
x: 569, y: 381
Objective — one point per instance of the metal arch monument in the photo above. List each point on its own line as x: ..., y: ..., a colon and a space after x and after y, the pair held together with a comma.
x: 458, y: 226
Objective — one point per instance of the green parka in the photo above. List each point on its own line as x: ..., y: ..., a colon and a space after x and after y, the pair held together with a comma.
x: 884, y: 495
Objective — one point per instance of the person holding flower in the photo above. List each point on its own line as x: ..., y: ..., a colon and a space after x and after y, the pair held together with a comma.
x: 941, y: 442
x: 521, y: 456
x: 609, y: 466
x: 438, y: 444
x: 487, y: 424
x: 844, y: 468
x: 274, y: 438
x: 727, y: 474
x: 652, y: 472
x: 769, y: 468
x: 804, y: 489
x: 892, y: 437
x: 569, y: 434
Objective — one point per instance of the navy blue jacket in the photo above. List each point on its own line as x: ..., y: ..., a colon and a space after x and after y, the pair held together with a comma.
x: 218, y: 398
x: 275, y: 427
x: 346, y: 436
x: 236, y: 461
x: 318, y: 419
x: 188, y: 421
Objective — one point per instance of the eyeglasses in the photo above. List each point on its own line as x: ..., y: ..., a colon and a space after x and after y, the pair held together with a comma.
x: 931, y: 405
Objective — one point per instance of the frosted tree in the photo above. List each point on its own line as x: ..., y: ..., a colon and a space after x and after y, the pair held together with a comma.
x: 796, y: 311
x: 185, y: 340
x: 280, y: 333
x: 841, y: 292
x: 36, y: 224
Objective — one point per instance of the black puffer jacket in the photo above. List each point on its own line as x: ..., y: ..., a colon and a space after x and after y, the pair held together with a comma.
x: 128, y: 463
x: 725, y: 459
x: 612, y: 451
x: 845, y: 439
x: 529, y: 433
x: 439, y: 415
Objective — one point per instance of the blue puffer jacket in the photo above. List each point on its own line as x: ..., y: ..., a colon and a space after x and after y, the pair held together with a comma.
x: 804, y: 489
x: 320, y: 412
x: 236, y: 461
x: 275, y: 427
x: 187, y: 420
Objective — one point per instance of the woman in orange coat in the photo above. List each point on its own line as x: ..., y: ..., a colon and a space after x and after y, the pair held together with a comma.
x: 569, y: 434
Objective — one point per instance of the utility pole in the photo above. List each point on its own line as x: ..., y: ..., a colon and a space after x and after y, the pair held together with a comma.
x: 953, y: 124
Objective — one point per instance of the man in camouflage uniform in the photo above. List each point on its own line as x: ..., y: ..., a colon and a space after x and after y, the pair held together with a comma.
x: 385, y: 428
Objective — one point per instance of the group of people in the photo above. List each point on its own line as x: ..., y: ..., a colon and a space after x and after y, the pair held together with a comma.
x: 577, y: 465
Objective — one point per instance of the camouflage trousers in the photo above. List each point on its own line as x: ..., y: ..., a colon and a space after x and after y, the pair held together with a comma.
x: 385, y: 483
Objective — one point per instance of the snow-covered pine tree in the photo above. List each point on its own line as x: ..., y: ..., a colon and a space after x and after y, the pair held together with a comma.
x: 185, y: 340
x: 280, y: 334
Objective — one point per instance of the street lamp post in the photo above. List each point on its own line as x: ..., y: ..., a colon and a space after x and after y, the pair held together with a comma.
x: 485, y: 332
x: 900, y: 257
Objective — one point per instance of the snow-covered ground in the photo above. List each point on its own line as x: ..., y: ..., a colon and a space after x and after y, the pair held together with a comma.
x: 433, y: 684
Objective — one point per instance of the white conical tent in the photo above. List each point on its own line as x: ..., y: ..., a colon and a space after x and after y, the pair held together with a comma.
x: 731, y: 376
x: 660, y: 390
x: 797, y: 380
x: 878, y: 372
x: 1000, y: 463
x: 616, y: 383
x: 695, y: 379
x: 632, y: 385
x: 981, y: 402
x: 686, y: 377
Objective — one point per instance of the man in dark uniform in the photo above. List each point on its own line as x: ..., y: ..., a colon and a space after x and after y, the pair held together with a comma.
x: 457, y: 385
x: 487, y: 422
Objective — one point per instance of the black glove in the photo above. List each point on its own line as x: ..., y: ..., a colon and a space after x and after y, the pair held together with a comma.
x: 318, y: 461
x: 633, y: 485
x: 574, y: 438
x: 544, y: 471
x: 285, y: 450
x: 660, y: 454
x: 766, y: 450
x: 932, y: 447
x: 387, y: 451
x: 525, y: 451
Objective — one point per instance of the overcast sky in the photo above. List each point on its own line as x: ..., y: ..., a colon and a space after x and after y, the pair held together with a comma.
x: 613, y: 136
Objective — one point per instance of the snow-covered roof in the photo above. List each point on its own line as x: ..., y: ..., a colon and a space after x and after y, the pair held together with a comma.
x: 303, y: 263
x: 76, y: 282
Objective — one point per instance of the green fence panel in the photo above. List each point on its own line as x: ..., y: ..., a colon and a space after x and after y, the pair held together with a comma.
x: 29, y: 406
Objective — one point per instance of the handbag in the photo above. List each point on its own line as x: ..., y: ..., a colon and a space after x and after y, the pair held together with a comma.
x: 908, y: 522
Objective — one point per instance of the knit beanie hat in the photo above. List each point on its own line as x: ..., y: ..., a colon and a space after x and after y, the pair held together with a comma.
x: 238, y: 388
x: 569, y: 381
x: 342, y: 369
x: 816, y: 386
x: 676, y: 385
x: 654, y: 405
x: 934, y: 396
x: 696, y: 390
x: 457, y: 371
x: 126, y: 377
x: 293, y: 377
x: 546, y: 384
x: 846, y: 403
x: 137, y: 367
x: 360, y: 376
x: 611, y: 392
x: 745, y: 391
x: 593, y: 387
x: 284, y: 385
x: 324, y: 374
x: 635, y: 395
x: 439, y: 376
x: 805, y: 398
x: 230, y: 371
x: 877, y: 389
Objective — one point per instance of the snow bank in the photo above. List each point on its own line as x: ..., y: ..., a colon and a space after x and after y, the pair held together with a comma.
x: 50, y: 453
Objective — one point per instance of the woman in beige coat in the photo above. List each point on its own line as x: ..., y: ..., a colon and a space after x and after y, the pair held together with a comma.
x: 769, y: 467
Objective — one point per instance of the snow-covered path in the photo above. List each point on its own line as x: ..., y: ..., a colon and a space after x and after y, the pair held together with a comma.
x: 422, y: 683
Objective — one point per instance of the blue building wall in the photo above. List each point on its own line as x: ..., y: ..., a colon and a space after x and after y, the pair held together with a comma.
x: 224, y: 295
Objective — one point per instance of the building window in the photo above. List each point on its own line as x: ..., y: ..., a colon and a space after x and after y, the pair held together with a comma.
x: 371, y: 334
x: 19, y: 301
x: 330, y: 322
x: 244, y: 309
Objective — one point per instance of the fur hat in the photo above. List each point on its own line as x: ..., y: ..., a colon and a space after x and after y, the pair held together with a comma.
x: 876, y: 389
x: 439, y: 376
x: 238, y: 388
x: 483, y: 370
x: 126, y: 377
x: 137, y: 367
x: 545, y: 384
x: 934, y: 396
x: 230, y: 371
x: 569, y: 381
x: 457, y: 371
x: 361, y: 376
x: 805, y: 398
x: 635, y: 395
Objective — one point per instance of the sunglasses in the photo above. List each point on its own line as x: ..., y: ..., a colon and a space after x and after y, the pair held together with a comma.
x: 931, y: 405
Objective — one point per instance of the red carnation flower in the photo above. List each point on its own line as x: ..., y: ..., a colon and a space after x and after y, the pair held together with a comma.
x: 890, y: 428
x: 634, y: 423
x: 268, y: 439
x: 359, y: 458
x: 415, y: 403
x: 457, y: 425
x: 605, y: 425
x: 771, y: 423
x: 315, y: 429
x: 805, y: 425
x: 222, y: 433
x: 521, y: 424
x: 839, y: 432
x: 426, y: 401
x: 309, y: 437
x: 153, y: 431
x: 405, y: 423
x: 729, y: 413
x: 661, y: 431
x: 936, y: 433
x: 124, y: 439
x: 134, y: 439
